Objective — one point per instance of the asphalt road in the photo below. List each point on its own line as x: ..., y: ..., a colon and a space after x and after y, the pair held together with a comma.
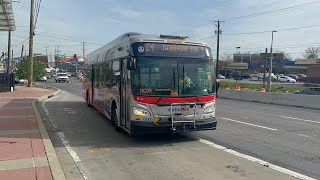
x: 285, y: 136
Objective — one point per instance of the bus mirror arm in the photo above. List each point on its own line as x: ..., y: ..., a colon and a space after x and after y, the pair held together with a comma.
x: 132, y: 64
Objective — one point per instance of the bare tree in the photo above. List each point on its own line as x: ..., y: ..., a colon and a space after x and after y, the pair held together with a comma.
x: 312, y: 52
x: 285, y: 57
x: 226, y: 61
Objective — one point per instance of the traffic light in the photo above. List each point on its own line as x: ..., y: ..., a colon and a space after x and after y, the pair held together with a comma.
x: 75, y: 56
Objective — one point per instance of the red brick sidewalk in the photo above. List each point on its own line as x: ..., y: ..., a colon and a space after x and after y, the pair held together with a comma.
x: 22, y: 153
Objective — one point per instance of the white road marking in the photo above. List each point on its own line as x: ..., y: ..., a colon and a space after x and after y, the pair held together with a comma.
x: 72, y: 153
x: 256, y: 160
x: 303, y: 135
x: 46, y: 110
x: 298, y: 119
x: 70, y: 110
x: 228, y: 119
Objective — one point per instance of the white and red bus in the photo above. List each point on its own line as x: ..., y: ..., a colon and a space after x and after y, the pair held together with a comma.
x: 153, y: 84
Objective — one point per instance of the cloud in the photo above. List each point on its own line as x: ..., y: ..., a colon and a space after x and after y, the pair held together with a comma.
x: 129, y: 13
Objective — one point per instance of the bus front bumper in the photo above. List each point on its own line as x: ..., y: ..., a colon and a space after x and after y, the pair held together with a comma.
x: 141, y: 127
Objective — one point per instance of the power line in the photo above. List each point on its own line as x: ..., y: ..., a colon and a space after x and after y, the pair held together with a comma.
x: 286, y: 29
x: 68, y: 39
x: 261, y: 13
x: 273, y: 11
x: 277, y: 47
x: 22, y: 42
x: 38, y: 5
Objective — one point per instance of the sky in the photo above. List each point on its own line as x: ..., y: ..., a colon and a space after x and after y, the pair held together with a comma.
x: 68, y: 23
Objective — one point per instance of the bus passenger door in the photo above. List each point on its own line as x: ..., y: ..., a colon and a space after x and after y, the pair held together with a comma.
x: 123, y: 94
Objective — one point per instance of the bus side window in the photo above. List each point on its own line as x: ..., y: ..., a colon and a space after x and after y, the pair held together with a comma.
x: 97, y: 75
x: 116, y: 74
x: 108, y: 75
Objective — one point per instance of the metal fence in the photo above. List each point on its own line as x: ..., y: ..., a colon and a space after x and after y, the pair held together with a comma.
x: 6, y: 82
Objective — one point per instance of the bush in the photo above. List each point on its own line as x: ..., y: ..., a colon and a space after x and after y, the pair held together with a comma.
x: 38, y: 69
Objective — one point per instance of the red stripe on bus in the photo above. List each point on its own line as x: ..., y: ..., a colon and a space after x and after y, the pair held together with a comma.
x: 178, y: 99
x: 206, y: 98
x: 146, y: 99
x: 154, y: 100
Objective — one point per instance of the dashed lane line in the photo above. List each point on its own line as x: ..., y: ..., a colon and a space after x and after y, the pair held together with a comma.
x: 298, y: 119
x: 241, y: 122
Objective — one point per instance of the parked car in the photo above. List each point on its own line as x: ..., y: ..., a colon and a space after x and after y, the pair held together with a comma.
x: 245, y: 75
x: 302, y: 75
x: 48, y: 75
x: 220, y: 76
x: 237, y: 76
x: 293, y: 76
x: 20, y: 81
x: 44, y: 78
x: 62, y: 77
x: 16, y: 81
x: 309, y: 91
x: 287, y: 79
x: 301, y: 79
x: 69, y: 74
x: 80, y: 76
x: 254, y: 77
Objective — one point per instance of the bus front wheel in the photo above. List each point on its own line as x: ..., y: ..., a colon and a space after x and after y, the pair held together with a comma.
x: 114, y: 119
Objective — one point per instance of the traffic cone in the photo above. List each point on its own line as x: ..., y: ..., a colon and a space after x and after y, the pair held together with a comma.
x: 263, y: 89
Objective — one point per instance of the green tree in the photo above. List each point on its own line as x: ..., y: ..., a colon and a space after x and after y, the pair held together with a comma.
x: 38, y: 69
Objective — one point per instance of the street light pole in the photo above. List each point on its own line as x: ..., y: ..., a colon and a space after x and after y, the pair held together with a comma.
x: 241, y: 57
x: 270, y: 67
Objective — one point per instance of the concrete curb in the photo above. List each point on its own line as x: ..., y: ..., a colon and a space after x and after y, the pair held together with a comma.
x: 55, y: 166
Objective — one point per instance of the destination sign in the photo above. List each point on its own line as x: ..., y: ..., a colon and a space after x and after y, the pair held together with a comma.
x: 171, y: 50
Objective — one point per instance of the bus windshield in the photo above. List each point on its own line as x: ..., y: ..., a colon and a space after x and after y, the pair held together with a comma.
x: 157, y: 76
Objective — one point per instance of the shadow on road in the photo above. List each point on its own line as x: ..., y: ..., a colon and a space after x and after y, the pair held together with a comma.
x: 85, y: 127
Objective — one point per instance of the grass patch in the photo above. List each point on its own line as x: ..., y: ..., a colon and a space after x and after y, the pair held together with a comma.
x: 257, y: 87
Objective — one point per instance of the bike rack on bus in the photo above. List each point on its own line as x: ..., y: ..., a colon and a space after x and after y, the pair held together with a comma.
x: 183, y: 121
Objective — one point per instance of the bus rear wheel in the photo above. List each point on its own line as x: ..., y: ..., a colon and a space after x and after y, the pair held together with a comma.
x: 114, y: 119
x: 87, y: 99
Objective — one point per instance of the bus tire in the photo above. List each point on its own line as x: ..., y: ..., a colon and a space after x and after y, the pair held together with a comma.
x: 87, y: 99
x: 114, y: 119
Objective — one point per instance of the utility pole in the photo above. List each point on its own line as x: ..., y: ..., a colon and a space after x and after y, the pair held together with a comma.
x: 21, y: 56
x: 83, y: 50
x: 57, y: 53
x: 218, y: 32
x: 46, y: 50
x: 12, y: 65
x: 9, y: 52
x: 55, y: 61
x: 270, y: 68
x: 265, y: 69
x: 30, y: 72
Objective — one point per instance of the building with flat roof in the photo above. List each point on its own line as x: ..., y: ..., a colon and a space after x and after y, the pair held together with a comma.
x: 313, y: 69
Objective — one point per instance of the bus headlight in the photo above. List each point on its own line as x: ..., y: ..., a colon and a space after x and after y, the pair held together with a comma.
x: 209, y: 109
x: 140, y: 112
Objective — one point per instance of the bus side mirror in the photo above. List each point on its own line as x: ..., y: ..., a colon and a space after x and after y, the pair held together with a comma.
x: 131, y: 63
